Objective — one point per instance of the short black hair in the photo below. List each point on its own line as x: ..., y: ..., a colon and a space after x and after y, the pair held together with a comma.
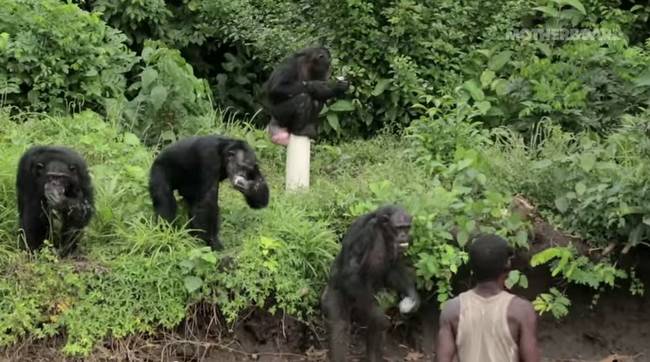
x: 489, y: 257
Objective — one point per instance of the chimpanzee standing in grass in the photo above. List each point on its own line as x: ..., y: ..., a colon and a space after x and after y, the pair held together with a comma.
x: 297, y: 91
x: 54, y: 188
x: 370, y: 259
x: 195, y: 166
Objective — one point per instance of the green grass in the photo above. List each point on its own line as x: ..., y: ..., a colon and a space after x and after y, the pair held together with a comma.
x: 132, y: 276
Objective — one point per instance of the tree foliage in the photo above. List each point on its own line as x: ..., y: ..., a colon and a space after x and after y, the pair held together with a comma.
x: 72, y: 63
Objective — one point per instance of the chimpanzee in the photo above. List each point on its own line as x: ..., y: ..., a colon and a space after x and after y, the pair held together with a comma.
x: 369, y: 260
x: 195, y: 166
x: 53, y: 186
x: 296, y: 92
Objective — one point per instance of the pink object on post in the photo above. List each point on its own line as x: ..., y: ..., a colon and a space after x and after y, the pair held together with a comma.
x: 279, y: 135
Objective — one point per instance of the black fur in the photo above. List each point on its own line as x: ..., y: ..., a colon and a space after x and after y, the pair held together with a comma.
x: 297, y: 90
x: 53, y: 181
x: 369, y: 260
x: 195, y: 166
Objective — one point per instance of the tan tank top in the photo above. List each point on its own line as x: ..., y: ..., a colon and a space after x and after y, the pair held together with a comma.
x: 483, y: 332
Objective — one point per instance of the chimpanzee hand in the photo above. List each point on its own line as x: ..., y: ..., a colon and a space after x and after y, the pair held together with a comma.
x: 54, y: 194
x: 409, y: 304
x: 340, y: 86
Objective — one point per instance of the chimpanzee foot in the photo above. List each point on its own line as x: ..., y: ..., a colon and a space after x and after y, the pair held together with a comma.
x: 279, y: 135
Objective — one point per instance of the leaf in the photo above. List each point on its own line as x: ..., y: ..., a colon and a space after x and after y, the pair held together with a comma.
x: 186, y: 264
x: 168, y: 135
x: 192, y: 283
x: 333, y: 121
x: 576, y: 4
x: 146, y: 53
x: 131, y: 139
x: 548, y: 11
x: 462, y: 237
x: 544, y: 48
x: 523, y: 281
x: 587, y: 162
x: 158, y: 96
x: 500, y: 86
x: 564, y: 259
x: 562, y: 204
x: 498, y: 61
x: 148, y: 76
x: 513, y: 278
x: 4, y: 40
x: 209, y: 258
x: 486, y: 77
x: 241, y: 80
x: 228, y: 66
x: 342, y: 105
x: 474, y: 90
x: 380, y: 87
x: 643, y: 80
x: 521, y: 238
x: 544, y: 256
x: 580, y: 188
x: 483, y: 106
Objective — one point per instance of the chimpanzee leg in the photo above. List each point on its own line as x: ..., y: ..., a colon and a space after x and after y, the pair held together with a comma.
x: 306, y: 118
x: 69, y: 237
x: 376, y: 323
x: 162, y: 195
x: 337, y: 317
x: 34, y: 226
x: 205, y: 218
x: 299, y: 115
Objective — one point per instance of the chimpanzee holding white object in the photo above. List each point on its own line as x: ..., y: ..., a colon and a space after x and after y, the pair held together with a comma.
x: 370, y: 259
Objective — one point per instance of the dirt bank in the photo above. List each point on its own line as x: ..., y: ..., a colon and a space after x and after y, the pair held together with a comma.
x: 618, y: 324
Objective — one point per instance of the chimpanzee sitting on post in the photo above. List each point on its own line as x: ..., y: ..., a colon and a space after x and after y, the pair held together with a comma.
x: 369, y: 260
x: 296, y: 93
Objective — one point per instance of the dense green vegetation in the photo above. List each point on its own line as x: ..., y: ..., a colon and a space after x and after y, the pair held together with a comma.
x: 453, y: 111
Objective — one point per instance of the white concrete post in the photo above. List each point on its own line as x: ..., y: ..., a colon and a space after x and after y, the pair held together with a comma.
x: 297, y: 167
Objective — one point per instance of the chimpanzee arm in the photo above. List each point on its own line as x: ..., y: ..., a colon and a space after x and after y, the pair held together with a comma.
x: 285, y: 90
x: 354, y: 285
x: 398, y: 279
x: 351, y: 276
x: 323, y: 90
x: 76, y: 209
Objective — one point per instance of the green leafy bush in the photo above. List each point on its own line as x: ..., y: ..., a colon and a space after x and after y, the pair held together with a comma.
x: 399, y: 54
x: 565, y: 262
x: 395, y: 53
x: 594, y: 185
x: 68, y: 64
x: 232, y: 44
x: 169, y: 100
x: 584, y: 81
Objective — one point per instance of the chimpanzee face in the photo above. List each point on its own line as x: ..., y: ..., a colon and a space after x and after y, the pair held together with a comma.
x: 319, y: 60
x: 245, y: 176
x: 242, y: 169
x: 57, y: 179
x: 400, y: 222
x: 396, y: 223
